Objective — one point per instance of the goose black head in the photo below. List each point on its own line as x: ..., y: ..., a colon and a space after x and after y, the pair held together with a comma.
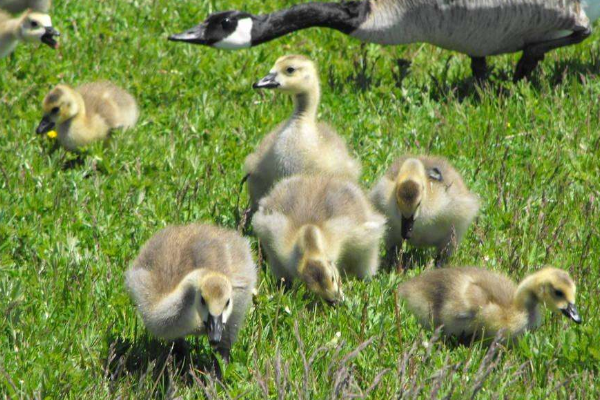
x: 229, y: 30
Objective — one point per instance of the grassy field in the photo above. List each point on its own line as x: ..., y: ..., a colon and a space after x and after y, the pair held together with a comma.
x: 67, y: 326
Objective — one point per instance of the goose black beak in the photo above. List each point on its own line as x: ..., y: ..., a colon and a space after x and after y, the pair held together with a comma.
x: 195, y: 35
x: 45, y: 125
x: 268, y: 82
x: 49, y: 37
x: 215, y: 329
x: 407, y: 227
x: 571, y: 312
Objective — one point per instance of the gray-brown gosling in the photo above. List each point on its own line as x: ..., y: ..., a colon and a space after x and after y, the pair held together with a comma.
x: 301, y: 144
x: 478, y: 303
x: 18, y: 6
x: 426, y: 203
x: 30, y: 27
x: 315, y: 228
x: 87, y: 114
x: 194, y: 280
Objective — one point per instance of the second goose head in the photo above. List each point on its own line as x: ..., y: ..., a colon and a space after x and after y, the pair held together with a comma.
x: 410, y: 192
x: 37, y: 27
x: 215, y: 304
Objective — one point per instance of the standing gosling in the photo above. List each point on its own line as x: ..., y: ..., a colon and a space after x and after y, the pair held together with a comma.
x: 29, y: 27
x: 88, y: 113
x: 477, y: 303
x: 301, y: 144
x: 17, y: 6
x: 192, y: 280
x: 426, y: 203
x: 311, y: 225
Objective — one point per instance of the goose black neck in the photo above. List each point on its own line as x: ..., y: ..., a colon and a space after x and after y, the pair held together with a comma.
x: 344, y: 17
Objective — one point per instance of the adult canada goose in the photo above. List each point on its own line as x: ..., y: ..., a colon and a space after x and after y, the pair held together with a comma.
x: 194, y: 280
x: 426, y: 203
x: 29, y: 27
x: 300, y: 145
x: 478, y: 28
x: 313, y: 228
x: 476, y: 302
x: 18, y: 6
x: 88, y: 113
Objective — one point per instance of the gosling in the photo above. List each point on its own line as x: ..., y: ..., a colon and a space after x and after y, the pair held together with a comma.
x: 311, y: 226
x: 194, y: 280
x: 17, y: 6
x: 426, y: 203
x: 474, y: 303
x: 300, y: 144
x: 30, y: 27
x: 87, y: 114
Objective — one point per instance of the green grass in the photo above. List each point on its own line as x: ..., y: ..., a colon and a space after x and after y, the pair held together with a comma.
x: 67, y: 326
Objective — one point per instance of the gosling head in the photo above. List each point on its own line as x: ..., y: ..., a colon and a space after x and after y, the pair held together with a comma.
x: 410, y: 192
x: 37, y: 27
x: 557, y: 291
x: 229, y: 30
x: 292, y: 74
x: 320, y: 274
x: 59, y: 105
x: 215, y: 305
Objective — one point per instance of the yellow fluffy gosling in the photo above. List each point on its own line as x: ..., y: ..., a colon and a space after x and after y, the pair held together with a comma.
x: 301, y: 144
x: 426, y: 202
x: 88, y: 113
x: 474, y: 302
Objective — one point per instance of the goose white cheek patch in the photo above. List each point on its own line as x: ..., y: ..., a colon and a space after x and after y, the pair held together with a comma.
x: 241, y: 38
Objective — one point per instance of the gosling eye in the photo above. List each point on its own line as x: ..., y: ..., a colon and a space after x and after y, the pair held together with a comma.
x: 559, y: 293
x: 202, y: 301
x: 290, y: 70
x: 54, y: 110
x: 34, y: 24
x: 228, y: 302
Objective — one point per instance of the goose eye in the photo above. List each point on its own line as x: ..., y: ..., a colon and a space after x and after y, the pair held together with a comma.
x: 559, y: 293
x: 202, y: 301
x: 54, y: 110
x: 290, y: 70
x: 227, y: 24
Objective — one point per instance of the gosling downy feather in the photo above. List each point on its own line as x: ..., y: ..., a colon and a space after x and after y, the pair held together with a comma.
x: 474, y: 302
x: 426, y: 202
x: 18, y: 6
x: 191, y: 280
x: 88, y: 113
x: 478, y: 28
x: 30, y: 27
x: 314, y: 228
x: 301, y: 144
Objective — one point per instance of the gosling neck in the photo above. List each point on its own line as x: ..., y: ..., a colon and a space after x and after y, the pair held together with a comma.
x: 12, y: 30
x: 526, y: 300
x: 306, y: 104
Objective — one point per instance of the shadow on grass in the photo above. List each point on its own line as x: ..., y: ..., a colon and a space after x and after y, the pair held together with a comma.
x: 163, y: 362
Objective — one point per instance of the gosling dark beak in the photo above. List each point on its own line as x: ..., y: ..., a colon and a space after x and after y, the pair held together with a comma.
x: 215, y: 329
x: 571, y: 312
x: 49, y: 37
x: 195, y: 35
x: 45, y: 125
x: 407, y: 227
x: 268, y: 82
